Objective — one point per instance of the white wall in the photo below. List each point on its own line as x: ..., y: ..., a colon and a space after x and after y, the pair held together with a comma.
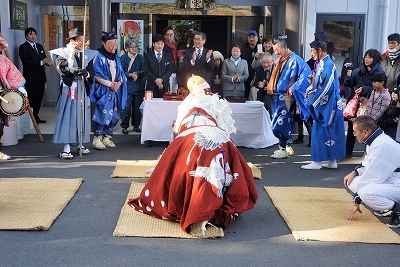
x: 372, y: 9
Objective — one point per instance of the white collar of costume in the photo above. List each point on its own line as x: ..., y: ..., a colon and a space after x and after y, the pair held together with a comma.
x: 64, y: 53
x: 218, y: 108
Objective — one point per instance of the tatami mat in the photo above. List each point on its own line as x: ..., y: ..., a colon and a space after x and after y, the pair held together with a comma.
x: 34, y: 203
x: 133, y: 223
x: 320, y: 214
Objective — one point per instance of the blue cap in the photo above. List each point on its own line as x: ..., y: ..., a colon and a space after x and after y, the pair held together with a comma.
x: 252, y: 32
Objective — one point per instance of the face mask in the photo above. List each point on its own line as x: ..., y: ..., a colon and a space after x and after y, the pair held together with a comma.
x: 394, y: 50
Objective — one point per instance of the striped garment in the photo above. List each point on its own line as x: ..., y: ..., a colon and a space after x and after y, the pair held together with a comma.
x: 378, y: 103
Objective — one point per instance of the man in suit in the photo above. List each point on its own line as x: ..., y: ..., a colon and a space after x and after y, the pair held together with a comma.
x: 263, y: 74
x: 158, y: 67
x: 199, y: 60
x: 34, y: 59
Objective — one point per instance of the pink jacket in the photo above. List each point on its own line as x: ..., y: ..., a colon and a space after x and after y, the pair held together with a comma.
x: 9, y: 74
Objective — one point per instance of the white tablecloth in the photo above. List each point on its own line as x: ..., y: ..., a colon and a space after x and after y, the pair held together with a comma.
x: 251, y: 120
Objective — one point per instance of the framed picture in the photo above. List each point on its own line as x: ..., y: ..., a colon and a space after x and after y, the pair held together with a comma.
x: 18, y: 15
x: 130, y: 29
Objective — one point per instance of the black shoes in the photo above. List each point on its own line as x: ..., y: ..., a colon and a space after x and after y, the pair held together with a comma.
x: 149, y: 143
x: 394, y: 221
x: 137, y: 129
x: 124, y: 131
x: 383, y: 213
x: 38, y: 120
x: 298, y: 141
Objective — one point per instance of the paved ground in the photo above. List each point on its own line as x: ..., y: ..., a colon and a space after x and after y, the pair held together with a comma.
x: 82, y: 234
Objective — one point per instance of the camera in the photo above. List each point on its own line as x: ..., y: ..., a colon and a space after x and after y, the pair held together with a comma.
x: 348, y: 66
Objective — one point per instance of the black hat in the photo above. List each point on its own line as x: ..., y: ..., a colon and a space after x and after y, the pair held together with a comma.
x: 108, y: 36
x: 313, y: 44
x: 75, y: 32
x: 320, y: 38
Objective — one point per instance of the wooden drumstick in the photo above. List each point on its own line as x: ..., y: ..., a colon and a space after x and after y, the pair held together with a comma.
x: 4, y: 100
x: 39, y: 134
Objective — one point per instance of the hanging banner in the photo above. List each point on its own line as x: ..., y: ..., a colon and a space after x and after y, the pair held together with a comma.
x: 130, y: 29
x: 18, y: 15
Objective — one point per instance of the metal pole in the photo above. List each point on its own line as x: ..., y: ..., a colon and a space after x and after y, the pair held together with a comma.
x: 83, y: 89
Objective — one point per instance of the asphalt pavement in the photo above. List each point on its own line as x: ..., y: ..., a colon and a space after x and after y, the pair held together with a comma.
x: 82, y: 234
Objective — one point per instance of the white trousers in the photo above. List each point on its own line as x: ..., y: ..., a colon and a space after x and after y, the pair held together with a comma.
x: 377, y: 196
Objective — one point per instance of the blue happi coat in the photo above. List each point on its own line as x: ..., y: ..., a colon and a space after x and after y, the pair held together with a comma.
x: 108, y: 103
x: 328, y: 137
x: 297, y: 73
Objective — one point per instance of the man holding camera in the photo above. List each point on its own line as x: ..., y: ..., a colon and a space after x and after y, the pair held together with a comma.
x: 71, y: 113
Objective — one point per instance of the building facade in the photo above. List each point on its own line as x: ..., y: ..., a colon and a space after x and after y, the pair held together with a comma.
x: 352, y: 25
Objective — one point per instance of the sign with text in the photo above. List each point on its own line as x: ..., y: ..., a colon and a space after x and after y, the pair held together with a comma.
x: 18, y: 15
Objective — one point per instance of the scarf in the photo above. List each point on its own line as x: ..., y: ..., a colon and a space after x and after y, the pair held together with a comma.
x: 103, y: 51
x: 173, y: 49
x: 393, y: 55
x: 235, y: 60
x: 276, y: 72
x: 132, y: 57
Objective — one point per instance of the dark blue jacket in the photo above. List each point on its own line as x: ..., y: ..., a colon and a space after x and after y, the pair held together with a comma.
x: 134, y: 87
x: 361, y: 77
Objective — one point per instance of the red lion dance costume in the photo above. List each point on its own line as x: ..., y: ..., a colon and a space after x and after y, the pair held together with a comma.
x: 201, y: 179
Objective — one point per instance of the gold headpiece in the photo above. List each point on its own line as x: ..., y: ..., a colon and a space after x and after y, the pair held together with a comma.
x: 197, y: 84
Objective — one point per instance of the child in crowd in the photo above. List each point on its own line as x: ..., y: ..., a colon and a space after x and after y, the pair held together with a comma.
x: 389, y: 120
x: 380, y: 98
x: 216, y: 87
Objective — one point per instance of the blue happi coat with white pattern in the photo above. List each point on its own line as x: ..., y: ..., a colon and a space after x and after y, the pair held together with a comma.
x: 328, y: 137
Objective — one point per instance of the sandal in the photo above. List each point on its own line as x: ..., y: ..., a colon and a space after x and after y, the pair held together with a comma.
x: 66, y: 155
x: 84, y: 150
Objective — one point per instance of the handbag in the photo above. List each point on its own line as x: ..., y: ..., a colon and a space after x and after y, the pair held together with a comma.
x: 351, y: 107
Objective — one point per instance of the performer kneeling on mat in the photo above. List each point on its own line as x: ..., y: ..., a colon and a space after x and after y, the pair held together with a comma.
x: 201, y: 166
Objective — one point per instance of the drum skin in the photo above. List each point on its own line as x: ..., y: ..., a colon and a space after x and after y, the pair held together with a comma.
x: 17, y: 102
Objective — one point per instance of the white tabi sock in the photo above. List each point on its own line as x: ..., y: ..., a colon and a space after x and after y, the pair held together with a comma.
x: 67, y: 148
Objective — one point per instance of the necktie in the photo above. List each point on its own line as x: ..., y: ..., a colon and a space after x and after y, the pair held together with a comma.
x: 198, y: 53
x: 267, y: 75
x: 158, y: 56
x: 34, y: 48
